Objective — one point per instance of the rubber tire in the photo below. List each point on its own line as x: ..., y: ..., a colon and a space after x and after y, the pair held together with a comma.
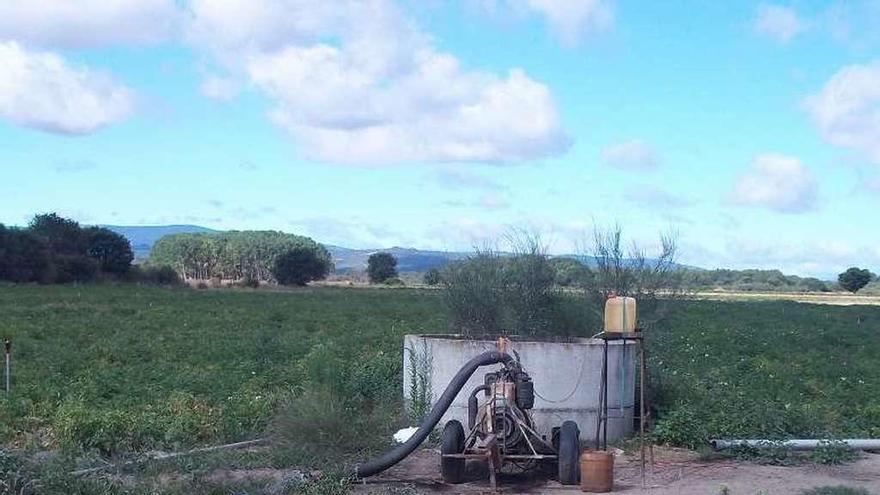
x: 569, y: 453
x: 452, y: 442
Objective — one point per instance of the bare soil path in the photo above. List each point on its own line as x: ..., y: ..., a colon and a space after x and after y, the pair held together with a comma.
x: 675, y: 472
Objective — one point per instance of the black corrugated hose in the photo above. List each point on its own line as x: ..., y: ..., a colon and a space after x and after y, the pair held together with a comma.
x: 397, y: 454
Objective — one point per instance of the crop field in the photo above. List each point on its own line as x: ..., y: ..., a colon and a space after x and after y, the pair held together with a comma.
x: 111, y: 370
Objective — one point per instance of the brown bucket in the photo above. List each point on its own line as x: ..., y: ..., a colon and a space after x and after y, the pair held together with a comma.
x: 597, y: 471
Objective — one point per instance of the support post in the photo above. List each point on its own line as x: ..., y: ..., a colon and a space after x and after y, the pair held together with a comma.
x: 8, y: 345
x: 642, y: 406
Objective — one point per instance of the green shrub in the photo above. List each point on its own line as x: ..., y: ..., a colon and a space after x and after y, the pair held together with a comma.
x: 833, y: 452
x: 153, y: 275
x: 491, y: 294
x: 475, y: 293
x: 432, y: 277
x: 835, y: 490
x: 300, y: 266
x: 381, y: 267
x: 393, y: 282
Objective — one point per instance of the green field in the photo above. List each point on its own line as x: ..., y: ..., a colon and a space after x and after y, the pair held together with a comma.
x: 115, y: 369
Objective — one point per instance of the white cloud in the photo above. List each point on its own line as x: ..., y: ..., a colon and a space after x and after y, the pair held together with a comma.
x: 778, y: 182
x: 847, y: 109
x: 569, y: 19
x: 40, y: 90
x: 355, y: 82
x: 572, y: 18
x: 631, y: 155
x: 778, y: 22
x: 88, y: 23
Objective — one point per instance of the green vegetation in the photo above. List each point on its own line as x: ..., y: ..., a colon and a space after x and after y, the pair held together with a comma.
x: 752, y: 280
x: 115, y: 369
x: 53, y: 249
x: 432, y: 277
x: 835, y: 490
x: 300, y: 266
x: 766, y: 370
x: 247, y: 255
x: 381, y: 267
x: 853, y: 279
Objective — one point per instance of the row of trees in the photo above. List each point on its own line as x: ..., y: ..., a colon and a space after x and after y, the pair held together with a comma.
x: 243, y: 255
x: 53, y: 249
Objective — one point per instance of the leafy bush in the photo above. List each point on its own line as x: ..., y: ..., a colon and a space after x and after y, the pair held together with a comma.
x: 493, y: 293
x: 24, y: 257
x: 475, y: 293
x: 74, y: 268
x: 833, y: 452
x: 299, y: 266
x: 153, y: 275
x: 57, y: 250
x: 111, y: 250
x: 569, y: 271
x: 381, y: 267
x: 835, y: 490
x: 393, y: 282
x: 854, y: 279
x: 346, y: 411
x: 432, y: 277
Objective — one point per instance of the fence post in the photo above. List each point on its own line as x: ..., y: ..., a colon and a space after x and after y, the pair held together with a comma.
x: 8, y: 344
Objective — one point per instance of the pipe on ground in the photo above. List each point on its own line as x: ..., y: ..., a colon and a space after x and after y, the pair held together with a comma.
x: 800, y: 444
x: 395, y: 455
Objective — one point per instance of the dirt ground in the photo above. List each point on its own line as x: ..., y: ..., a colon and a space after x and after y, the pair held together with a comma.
x: 674, y: 472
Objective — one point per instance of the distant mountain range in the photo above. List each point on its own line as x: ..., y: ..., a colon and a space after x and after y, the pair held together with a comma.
x: 345, y: 259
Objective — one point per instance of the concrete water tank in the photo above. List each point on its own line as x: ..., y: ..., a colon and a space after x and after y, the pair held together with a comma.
x: 567, y: 376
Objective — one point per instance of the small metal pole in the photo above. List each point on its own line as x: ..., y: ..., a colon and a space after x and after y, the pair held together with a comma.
x: 8, y: 344
x: 642, y: 406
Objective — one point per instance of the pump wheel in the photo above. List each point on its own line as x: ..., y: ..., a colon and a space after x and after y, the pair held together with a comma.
x: 569, y: 453
x: 452, y: 442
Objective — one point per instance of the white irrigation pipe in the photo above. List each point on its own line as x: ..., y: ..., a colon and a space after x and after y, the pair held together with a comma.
x: 172, y: 455
x: 801, y: 444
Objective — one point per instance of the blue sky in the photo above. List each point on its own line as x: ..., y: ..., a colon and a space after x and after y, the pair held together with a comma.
x: 752, y: 129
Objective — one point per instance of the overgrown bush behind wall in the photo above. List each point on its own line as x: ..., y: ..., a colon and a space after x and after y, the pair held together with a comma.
x: 496, y: 294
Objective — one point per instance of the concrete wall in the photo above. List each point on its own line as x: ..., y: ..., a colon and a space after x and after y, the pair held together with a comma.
x: 566, y: 376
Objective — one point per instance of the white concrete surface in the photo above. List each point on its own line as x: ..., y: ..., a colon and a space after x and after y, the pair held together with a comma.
x: 566, y: 376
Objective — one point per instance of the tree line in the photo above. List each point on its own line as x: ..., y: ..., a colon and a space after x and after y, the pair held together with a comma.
x: 243, y: 255
x: 53, y: 249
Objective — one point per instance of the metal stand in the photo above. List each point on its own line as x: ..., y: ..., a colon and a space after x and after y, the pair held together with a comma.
x: 602, y: 414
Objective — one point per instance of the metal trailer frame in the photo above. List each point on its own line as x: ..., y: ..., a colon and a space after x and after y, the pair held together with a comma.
x: 492, y: 451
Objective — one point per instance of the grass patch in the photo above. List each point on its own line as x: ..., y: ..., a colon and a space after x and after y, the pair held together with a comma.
x: 114, y: 370
x: 770, y: 370
x: 835, y: 490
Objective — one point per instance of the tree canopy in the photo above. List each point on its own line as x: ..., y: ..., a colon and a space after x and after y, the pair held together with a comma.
x: 54, y: 249
x: 233, y: 255
x: 853, y: 279
x: 381, y: 267
x: 300, y: 266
